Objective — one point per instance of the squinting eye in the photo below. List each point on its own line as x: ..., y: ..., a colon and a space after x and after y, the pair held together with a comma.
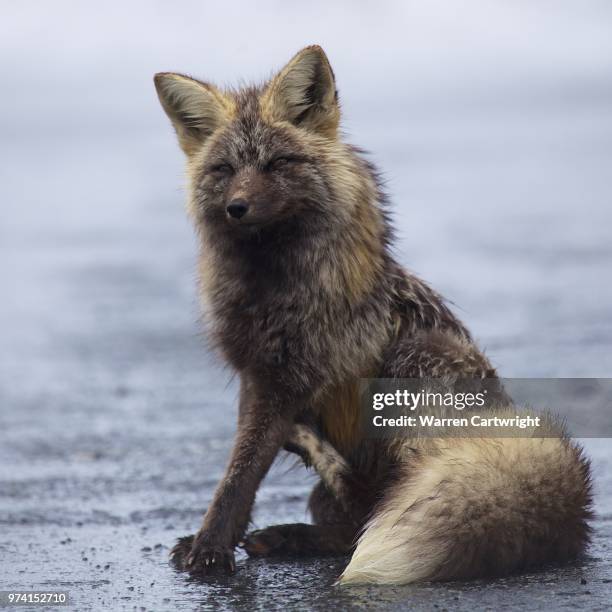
x: 280, y: 162
x: 222, y: 169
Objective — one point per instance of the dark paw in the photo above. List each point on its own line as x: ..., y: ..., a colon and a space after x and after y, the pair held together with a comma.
x: 265, y: 542
x: 208, y: 558
x: 201, y: 559
x: 180, y: 552
x: 291, y: 447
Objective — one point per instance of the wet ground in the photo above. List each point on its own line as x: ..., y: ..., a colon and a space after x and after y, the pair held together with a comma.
x: 115, y: 422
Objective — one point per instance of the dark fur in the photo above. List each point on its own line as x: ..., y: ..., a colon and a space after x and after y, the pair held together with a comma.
x: 304, y: 297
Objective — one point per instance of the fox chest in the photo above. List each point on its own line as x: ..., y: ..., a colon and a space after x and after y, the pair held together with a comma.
x: 259, y: 340
x: 272, y: 334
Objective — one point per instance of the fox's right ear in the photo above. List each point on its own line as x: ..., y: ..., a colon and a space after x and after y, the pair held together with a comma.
x: 196, y: 109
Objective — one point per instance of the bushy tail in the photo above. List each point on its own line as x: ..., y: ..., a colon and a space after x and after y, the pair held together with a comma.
x: 476, y: 507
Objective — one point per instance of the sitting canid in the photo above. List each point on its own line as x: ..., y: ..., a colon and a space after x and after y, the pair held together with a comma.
x: 304, y: 298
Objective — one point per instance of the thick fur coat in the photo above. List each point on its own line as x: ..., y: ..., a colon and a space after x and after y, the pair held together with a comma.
x: 303, y: 298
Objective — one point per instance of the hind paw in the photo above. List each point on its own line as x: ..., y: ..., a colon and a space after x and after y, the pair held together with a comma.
x: 265, y: 542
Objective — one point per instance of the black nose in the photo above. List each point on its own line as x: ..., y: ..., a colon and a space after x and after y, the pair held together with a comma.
x: 237, y: 208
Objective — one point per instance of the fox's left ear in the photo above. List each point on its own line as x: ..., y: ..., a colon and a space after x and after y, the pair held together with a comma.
x: 304, y: 93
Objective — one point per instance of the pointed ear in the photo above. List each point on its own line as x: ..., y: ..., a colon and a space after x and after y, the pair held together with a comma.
x: 304, y: 93
x: 196, y: 109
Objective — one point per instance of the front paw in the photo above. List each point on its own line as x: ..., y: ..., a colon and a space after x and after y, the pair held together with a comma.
x: 303, y: 439
x: 291, y: 447
x: 194, y: 555
x: 180, y: 552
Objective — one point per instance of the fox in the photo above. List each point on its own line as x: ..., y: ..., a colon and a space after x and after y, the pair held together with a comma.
x: 303, y: 298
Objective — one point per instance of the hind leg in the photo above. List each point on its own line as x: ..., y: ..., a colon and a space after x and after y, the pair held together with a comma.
x: 300, y: 539
x: 335, y: 526
x: 448, y: 361
x: 332, y: 534
x: 435, y: 354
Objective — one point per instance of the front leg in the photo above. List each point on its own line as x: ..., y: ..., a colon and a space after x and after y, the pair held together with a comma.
x: 264, y: 425
x: 351, y: 490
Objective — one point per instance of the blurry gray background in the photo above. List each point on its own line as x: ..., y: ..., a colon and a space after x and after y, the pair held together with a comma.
x: 492, y: 122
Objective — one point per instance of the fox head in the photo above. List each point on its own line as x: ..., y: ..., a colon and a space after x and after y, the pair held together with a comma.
x: 263, y: 156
